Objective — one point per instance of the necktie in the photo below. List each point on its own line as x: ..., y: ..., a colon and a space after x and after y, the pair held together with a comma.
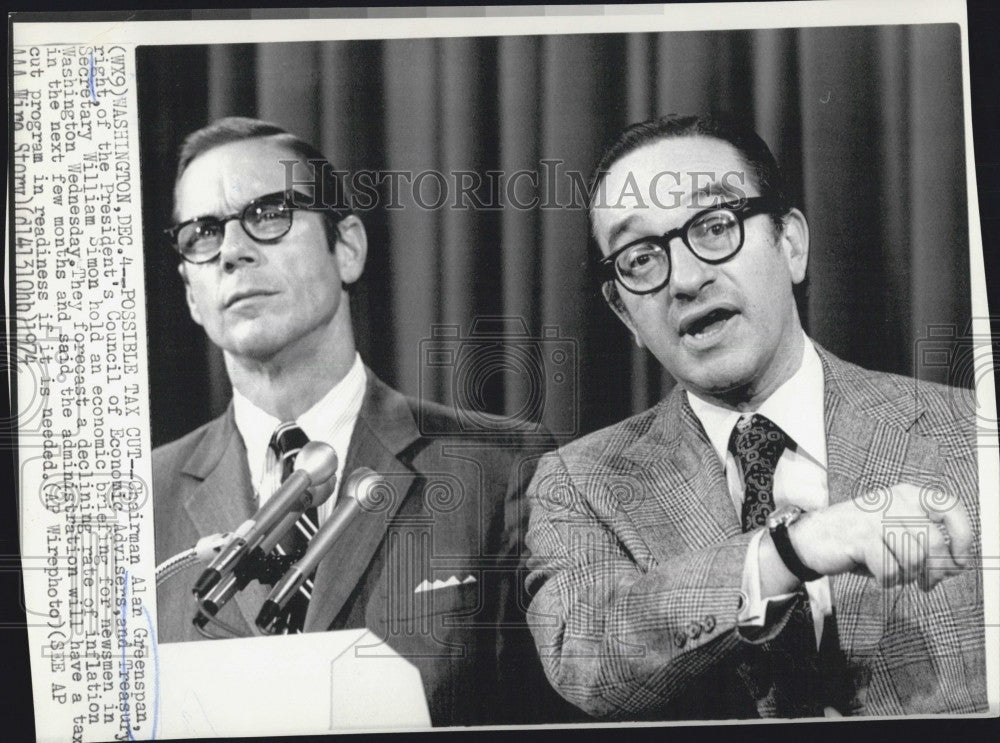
x: 286, y: 442
x: 757, y: 443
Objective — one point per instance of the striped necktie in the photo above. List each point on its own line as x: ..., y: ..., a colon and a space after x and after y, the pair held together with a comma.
x: 287, y: 441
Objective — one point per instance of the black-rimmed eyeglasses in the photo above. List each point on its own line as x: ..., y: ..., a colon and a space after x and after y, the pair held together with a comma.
x: 266, y: 219
x: 713, y: 235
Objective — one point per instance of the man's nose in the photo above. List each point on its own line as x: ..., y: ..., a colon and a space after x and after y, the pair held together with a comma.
x: 688, y: 274
x: 238, y: 248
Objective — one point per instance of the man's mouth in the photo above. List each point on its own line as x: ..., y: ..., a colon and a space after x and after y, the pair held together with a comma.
x: 245, y: 294
x: 707, y: 324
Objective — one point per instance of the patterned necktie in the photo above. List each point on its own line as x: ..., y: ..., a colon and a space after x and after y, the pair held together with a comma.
x: 757, y: 443
x: 287, y: 441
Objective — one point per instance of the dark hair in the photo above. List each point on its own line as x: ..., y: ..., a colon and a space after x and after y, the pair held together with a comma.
x: 767, y: 175
x: 764, y: 168
x: 239, y: 128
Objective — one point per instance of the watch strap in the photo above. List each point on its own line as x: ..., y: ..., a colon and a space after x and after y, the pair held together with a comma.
x: 779, y: 535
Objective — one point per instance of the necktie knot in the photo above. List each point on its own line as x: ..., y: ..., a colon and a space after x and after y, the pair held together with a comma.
x: 757, y: 441
x: 286, y: 442
x: 288, y: 437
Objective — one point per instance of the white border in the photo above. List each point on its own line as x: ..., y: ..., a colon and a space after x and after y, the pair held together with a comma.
x: 559, y: 20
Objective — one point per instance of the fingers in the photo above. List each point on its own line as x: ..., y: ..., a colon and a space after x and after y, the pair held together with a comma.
x: 881, y: 563
x: 908, y: 547
x: 959, y: 528
x: 939, y: 562
x: 926, y: 538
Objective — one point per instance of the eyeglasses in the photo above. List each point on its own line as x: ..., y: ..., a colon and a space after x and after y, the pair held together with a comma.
x: 266, y: 220
x: 713, y: 235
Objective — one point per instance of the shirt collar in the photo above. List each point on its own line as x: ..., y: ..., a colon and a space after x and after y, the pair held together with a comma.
x: 796, y: 407
x: 341, y: 404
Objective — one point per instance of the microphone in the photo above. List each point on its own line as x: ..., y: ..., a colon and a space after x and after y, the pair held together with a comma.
x: 245, y: 571
x: 315, y: 464
x: 360, y: 489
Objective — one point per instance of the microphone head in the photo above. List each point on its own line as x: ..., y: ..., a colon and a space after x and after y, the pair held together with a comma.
x: 366, y: 485
x: 320, y: 494
x: 268, y: 619
x: 318, y: 460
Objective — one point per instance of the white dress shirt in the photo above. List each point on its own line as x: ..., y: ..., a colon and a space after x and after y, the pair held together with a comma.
x: 330, y: 420
x: 799, y: 478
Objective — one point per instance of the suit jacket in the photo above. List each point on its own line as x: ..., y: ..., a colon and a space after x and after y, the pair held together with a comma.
x: 453, y: 508
x: 637, y: 558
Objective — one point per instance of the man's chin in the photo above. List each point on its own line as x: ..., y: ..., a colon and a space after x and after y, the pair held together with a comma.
x: 729, y: 383
x: 256, y: 347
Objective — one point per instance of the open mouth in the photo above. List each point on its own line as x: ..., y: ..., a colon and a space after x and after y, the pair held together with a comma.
x: 707, y: 324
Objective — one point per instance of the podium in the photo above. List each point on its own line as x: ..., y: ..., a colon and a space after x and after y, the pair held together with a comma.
x: 284, y: 685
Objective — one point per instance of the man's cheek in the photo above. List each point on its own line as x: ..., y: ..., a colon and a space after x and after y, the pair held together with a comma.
x: 194, y: 306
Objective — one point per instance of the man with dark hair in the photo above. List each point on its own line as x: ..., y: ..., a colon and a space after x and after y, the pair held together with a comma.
x: 786, y: 534
x: 432, y: 567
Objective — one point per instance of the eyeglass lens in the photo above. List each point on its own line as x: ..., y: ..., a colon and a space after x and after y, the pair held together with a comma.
x: 264, y: 221
x: 713, y: 237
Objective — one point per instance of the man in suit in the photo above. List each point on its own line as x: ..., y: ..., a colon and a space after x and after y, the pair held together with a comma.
x: 785, y: 534
x: 431, y: 566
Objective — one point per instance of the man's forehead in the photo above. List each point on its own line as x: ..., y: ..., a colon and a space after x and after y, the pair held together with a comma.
x: 693, y: 164
x: 677, y: 175
x: 227, y: 177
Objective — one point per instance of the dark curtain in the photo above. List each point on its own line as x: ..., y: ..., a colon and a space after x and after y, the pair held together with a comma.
x: 866, y: 121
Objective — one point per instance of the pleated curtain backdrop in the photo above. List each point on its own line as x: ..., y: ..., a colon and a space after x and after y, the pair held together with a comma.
x: 866, y: 121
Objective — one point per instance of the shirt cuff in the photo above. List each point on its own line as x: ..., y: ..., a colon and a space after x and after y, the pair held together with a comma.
x: 754, y: 611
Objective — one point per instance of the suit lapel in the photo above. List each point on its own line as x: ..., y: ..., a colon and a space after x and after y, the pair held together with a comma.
x: 224, y: 498
x: 870, y: 446
x: 686, y: 504
x: 384, y: 429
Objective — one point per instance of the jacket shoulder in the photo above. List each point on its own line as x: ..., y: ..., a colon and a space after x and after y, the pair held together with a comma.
x: 169, y: 458
x: 938, y: 411
x: 447, y: 424
x: 606, y: 448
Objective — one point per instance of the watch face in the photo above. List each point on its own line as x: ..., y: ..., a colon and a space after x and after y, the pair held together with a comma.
x: 784, y: 516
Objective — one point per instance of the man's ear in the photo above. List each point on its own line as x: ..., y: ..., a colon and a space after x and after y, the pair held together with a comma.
x: 614, y: 300
x: 795, y: 244
x: 351, y: 249
x: 188, y: 294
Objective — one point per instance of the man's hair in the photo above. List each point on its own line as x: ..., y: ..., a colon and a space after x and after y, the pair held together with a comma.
x: 239, y: 129
x: 764, y: 169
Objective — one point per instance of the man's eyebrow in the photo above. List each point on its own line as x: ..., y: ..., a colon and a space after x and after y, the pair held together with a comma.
x: 275, y: 195
x: 624, y: 226
x: 713, y: 189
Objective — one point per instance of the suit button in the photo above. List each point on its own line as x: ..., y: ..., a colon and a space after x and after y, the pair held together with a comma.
x: 709, y: 623
x: 740, y: 601
x: 680, y: 639
x: 694, y: 630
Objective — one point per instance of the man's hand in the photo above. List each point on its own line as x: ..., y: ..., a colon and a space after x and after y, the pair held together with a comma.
x: 922, y: 536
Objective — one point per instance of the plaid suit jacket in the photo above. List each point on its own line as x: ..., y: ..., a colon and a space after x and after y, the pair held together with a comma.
x: 636, y: 558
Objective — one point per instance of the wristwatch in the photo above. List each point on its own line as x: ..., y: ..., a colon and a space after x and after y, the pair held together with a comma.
x: 778, y: 522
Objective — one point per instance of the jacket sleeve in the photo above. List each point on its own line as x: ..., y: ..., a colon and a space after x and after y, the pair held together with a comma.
x: 525, y: 696
x: 620, y: 634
